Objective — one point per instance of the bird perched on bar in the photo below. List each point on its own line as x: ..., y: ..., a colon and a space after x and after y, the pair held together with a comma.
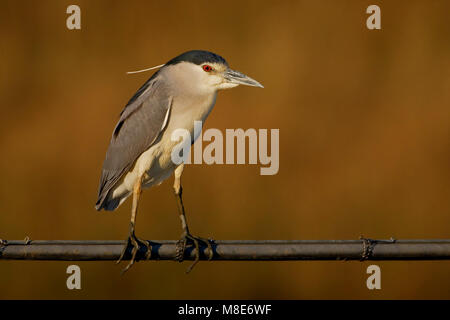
x: 182, y: 91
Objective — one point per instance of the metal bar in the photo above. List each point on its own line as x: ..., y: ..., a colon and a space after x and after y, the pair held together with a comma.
x: 248, y: 250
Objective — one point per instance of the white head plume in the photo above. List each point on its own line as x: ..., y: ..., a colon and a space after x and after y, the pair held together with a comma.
x: 148, y: 69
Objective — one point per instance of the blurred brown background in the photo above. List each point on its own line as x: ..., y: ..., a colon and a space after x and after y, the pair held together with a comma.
x: 364, y: 120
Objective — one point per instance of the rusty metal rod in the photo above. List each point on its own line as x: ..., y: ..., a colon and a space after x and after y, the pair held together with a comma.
x: 250, y: 250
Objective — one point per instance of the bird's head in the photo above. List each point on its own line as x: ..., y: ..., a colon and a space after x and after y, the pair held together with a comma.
x: 205, y: 71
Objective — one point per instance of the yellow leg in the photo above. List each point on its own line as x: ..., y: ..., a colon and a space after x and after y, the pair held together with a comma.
x: 132, y: 239
x: 187, y: 237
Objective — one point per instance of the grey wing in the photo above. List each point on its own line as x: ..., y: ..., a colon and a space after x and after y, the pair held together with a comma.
x: 139, y: 126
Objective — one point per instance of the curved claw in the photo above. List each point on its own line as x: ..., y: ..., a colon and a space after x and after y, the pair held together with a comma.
x: 135, y: 243
x: 189, y: 239
x: 124, y: 250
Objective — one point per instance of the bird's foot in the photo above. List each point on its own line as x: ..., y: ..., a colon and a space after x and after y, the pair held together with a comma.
x: 135, y: 244
x: 189, y: 240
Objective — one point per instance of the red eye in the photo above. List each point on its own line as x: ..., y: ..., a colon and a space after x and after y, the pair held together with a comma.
x: 207, y: 68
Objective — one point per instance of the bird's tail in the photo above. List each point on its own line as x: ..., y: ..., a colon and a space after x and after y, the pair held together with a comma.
x: 109, y: 203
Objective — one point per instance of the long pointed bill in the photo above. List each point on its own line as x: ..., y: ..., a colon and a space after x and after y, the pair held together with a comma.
x: 236, y: 77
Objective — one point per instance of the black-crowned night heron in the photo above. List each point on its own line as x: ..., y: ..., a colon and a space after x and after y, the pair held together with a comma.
x: 182, y: 91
